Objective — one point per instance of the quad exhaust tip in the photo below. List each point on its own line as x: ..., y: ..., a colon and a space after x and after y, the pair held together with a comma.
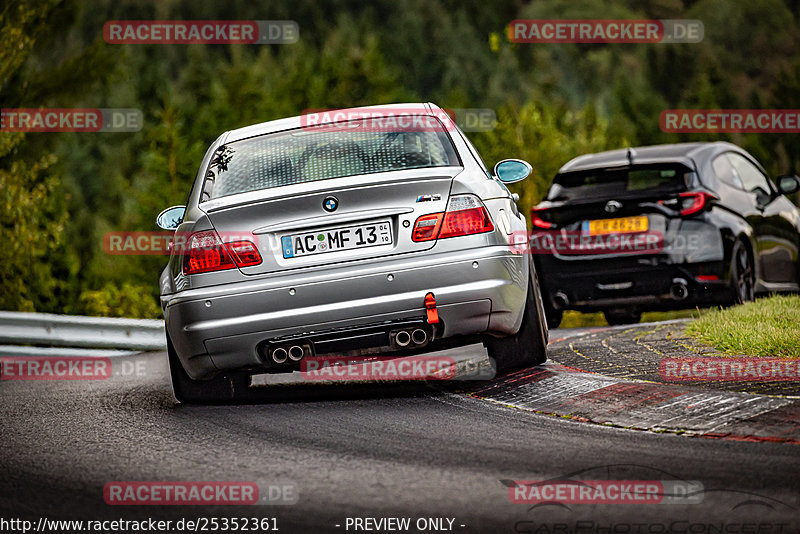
x: 406, y: 338
x: 419, y: 336
x: 279, y: 355
x: 288, y: 353
x: 296, y: 353
x: 402, y: 338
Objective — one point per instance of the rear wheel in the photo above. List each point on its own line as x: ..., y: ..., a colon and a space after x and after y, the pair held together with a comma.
x: 529, y: 345
x: 742, y: 276
x: 222, y: 388
x: 624, y: 316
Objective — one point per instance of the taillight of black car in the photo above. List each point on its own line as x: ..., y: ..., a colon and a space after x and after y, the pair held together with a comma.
x: 690, y: 202
x: 537, y: 219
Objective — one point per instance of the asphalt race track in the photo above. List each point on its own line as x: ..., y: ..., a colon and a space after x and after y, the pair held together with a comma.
x: 413, y: 450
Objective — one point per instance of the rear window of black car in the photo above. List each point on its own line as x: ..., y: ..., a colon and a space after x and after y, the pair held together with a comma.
x: 619, y: 183
x: 311, y: 154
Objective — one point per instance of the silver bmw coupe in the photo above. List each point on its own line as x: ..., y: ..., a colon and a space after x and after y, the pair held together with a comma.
x: 368, y: 230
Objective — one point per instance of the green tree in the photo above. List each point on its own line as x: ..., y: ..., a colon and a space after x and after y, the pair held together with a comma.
x: 32, y: 218
x: 547, y: 137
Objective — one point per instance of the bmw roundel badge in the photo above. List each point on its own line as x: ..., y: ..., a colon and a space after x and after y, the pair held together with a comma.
x: 330, y: 204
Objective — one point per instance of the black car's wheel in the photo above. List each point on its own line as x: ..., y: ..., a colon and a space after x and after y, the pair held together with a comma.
x: 529, y: 345
x: 617, y: 317
x: 222, y: 388
x: 742, y: 275
x: 553, y: 316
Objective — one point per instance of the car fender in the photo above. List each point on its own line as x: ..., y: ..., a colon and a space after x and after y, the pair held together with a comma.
x: 735, y: 228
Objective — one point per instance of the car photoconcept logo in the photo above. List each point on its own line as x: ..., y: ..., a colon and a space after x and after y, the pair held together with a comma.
x: 612, y: 206
x: 330, y: 204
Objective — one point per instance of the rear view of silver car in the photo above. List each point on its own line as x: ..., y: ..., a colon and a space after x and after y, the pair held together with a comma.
x: 376, y: 230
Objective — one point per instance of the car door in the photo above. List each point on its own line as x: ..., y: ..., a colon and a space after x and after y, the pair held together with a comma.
x: 776, y: 236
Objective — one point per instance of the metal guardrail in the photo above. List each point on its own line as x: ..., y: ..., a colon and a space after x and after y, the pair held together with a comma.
x: 51, y: 330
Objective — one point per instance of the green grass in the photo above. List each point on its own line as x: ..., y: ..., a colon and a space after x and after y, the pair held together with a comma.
x: 766, y: 327
x: 574, y: 319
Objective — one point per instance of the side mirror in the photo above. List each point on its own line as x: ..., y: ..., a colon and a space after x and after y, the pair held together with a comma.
x: 509, y: 171
x: 170, y: 218
x: 788, y: 185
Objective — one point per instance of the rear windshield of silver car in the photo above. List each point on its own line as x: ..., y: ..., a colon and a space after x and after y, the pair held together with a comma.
x: 316, y: 153
x: 627, y: 182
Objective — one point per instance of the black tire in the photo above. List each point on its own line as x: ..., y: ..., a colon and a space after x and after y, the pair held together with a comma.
x: 222, y: 388
x: 529, y: 345
x: 742, y: 275
x: 553, y: 316
x: 618, y: 317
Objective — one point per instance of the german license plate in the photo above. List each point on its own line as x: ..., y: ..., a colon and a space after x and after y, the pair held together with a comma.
x: 336, y: 239
x: 613, y: 226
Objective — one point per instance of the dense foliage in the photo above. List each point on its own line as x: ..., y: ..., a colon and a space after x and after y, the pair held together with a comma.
x: 61, y: 192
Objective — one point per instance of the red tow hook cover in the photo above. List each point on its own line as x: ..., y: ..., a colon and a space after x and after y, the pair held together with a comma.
x: 430, y: 308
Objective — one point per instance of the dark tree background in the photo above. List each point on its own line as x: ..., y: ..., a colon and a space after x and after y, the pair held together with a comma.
x: 61, y: 192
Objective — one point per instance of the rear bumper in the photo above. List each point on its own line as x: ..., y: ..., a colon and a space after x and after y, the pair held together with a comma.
x: 688, y: 253
x: 608, y: 284
x: 220, y: 327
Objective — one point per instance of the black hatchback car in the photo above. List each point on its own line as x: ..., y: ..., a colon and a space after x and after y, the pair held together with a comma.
x: 664, y: 227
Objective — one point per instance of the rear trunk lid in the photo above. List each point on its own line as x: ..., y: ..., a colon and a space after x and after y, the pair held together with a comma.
x: 593, y: 205
x: 333, y: 221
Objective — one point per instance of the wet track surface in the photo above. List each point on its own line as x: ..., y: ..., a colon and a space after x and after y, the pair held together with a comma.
x: 397, y: 450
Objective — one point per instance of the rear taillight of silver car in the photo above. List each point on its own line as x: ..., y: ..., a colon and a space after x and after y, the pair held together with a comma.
x: 465, y: 215
x: 205, y: 252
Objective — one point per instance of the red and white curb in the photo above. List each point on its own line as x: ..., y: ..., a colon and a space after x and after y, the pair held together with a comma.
x: 558, y: 390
